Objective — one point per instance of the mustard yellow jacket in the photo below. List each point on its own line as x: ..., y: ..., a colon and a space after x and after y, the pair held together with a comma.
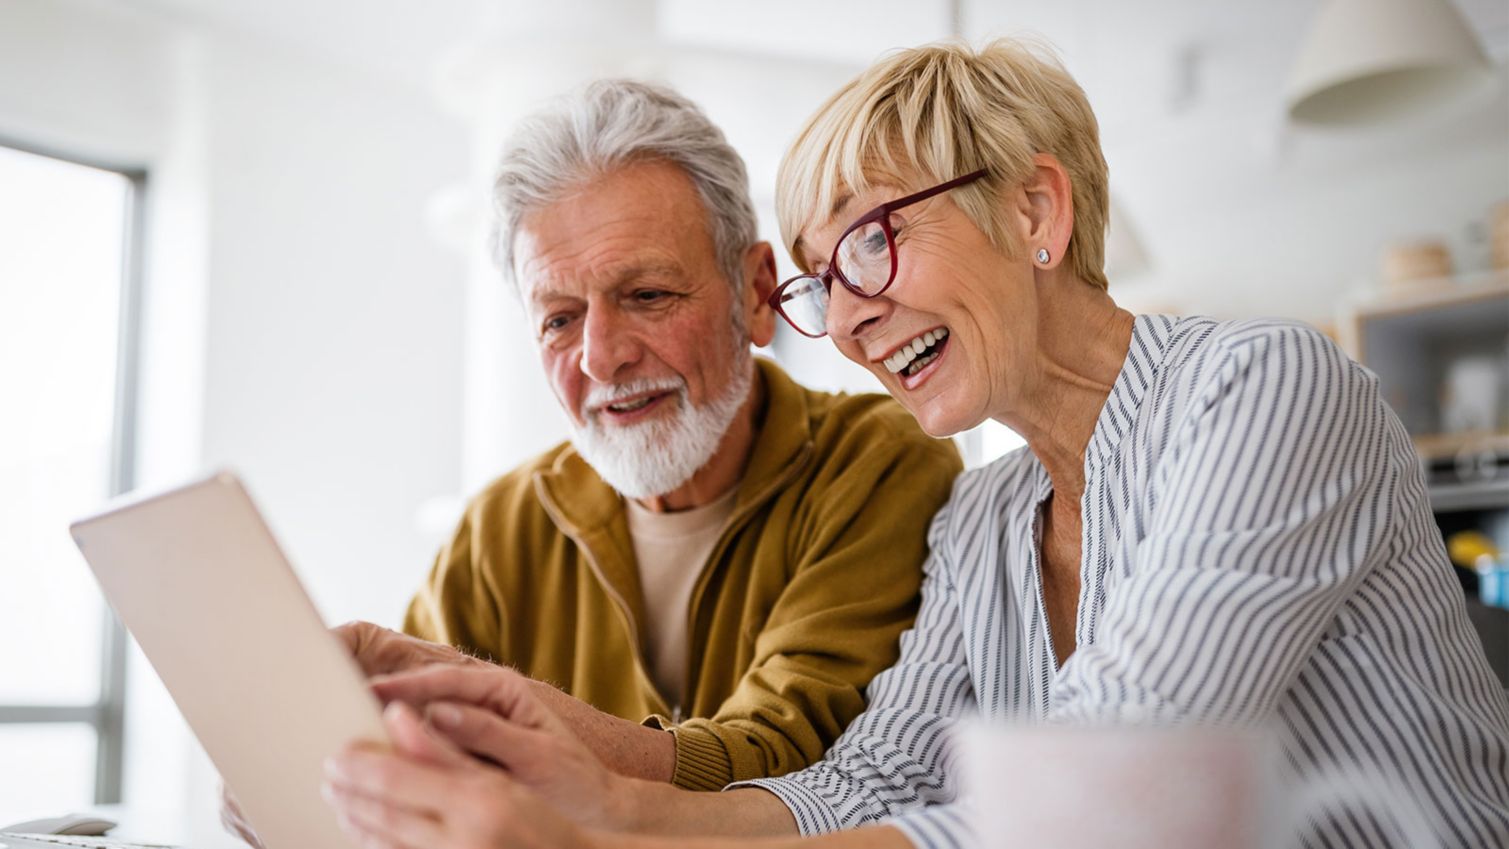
x: 801, y: 603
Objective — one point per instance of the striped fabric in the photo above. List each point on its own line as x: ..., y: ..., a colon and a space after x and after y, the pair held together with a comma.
x: 1257, y: 550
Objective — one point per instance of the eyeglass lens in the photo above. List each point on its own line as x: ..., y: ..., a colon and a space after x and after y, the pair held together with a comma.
x: 863, y: 257
x: 805, y: 304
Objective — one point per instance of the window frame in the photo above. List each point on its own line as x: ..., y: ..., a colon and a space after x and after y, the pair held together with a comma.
x: 107, y: 714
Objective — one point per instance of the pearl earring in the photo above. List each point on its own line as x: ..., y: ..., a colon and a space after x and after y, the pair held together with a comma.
x: 1043, y: 256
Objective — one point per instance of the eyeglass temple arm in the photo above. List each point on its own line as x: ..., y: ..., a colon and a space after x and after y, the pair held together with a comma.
x: 935, y: 190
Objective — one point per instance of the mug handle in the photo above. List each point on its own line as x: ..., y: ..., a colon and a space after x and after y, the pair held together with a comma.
x: 1336, y: 790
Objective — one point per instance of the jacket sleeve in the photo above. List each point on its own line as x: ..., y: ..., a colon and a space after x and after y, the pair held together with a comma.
x: 455, y: 605
x: 893, y: 763
x: 856, y: 549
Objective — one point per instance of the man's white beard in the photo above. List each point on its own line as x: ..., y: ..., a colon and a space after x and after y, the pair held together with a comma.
x: 656, y: 457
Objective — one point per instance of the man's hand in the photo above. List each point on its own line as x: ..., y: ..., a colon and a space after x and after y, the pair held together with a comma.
x: 493, y: 713
x: 627, y: 748
x: 429, y: 795
x: 381, y: 651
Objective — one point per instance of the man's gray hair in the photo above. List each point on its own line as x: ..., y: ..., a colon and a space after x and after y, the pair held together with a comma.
x: 605, y: 126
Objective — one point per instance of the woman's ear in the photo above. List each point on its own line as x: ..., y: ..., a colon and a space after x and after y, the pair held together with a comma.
x: 1046, y: 214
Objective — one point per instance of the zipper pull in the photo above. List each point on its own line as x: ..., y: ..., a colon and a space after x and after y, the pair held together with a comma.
x: 676, y: 715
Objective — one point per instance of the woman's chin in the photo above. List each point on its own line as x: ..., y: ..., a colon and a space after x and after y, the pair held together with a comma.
x: 940, y: 420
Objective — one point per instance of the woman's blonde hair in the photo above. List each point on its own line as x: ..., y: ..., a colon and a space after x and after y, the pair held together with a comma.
x: 932, y: 113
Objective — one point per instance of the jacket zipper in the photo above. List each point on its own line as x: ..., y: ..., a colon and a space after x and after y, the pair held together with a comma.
x: 724, y: 540
x: 640, y: 665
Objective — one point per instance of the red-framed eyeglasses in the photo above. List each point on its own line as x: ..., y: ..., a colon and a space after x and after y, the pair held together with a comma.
x: 864, y: 261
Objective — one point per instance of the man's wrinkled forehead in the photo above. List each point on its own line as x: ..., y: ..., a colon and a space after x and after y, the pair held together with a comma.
x: 632, y: 222
x: 540, y: 281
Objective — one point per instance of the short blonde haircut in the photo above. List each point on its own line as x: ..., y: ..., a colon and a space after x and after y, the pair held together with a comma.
x: 933, y: 113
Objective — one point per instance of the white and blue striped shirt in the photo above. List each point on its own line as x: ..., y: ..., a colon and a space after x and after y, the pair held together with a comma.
x: 1257, y: 549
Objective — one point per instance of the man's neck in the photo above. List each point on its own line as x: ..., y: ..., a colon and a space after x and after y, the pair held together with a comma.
x: 724, y: 471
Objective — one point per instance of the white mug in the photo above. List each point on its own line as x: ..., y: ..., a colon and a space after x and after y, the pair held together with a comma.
x: 1137, y: 787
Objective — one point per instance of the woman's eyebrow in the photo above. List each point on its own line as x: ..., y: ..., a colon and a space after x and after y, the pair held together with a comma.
x: 839, y: 203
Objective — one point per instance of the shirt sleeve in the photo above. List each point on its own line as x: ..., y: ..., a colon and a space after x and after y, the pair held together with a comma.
x: 893, y: 762
x: 1269, y: 506
x: 853, y: 590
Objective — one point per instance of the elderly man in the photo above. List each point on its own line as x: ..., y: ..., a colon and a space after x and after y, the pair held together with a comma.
x: 719, y: 560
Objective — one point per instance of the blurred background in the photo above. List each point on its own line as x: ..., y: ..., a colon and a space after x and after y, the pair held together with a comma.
x: 250, y: 234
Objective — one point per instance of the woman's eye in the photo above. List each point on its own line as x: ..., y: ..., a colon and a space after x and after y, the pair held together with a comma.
x: 897, y: 225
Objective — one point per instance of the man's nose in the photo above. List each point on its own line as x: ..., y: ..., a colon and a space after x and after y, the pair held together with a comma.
x: 607, y: 346
x: 850, y: 316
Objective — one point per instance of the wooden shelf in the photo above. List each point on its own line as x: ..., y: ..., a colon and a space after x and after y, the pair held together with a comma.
x: 1457, y: 497
x: 1428, y: 295
x: 1412, y: 338
x: 1444, y: 446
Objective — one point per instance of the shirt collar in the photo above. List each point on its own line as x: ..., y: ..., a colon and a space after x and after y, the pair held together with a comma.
x: 1150, y: 337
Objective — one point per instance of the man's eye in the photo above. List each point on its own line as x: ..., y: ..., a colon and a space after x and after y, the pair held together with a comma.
x: 650, y: 296
x: 556, y: 322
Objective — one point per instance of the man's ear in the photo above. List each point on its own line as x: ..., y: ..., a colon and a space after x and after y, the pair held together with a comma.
x: 759, y: 283
x: 1045, y: 210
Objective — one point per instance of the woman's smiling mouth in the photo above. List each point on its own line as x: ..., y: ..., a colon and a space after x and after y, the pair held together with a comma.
x: 914, y: 356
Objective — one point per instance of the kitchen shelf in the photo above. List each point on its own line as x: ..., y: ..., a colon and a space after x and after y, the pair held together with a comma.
x: 1430, y: 295
x: 1412, y: 336
x: 1446, y: 446
x: 1459, y: 497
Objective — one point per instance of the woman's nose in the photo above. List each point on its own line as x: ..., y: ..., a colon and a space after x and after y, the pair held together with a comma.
x: 849, y: 315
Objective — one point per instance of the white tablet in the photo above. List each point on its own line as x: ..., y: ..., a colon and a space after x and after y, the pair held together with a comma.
x: 198, y: 579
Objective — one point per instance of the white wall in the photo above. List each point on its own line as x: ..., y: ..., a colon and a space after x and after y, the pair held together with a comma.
x: 300, y: 323
x: 333, y: 353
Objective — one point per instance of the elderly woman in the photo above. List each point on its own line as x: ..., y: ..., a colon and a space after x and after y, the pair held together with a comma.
x: 1212, y: 522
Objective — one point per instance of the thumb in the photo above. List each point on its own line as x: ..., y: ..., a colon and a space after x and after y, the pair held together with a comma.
x: 415, y: 738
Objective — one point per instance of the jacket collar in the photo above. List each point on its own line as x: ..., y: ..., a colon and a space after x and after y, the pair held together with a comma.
x: 584, y: 507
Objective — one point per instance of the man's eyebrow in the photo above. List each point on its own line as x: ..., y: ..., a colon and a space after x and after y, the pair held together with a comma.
x: 645, y: 268
x: 548, y: 288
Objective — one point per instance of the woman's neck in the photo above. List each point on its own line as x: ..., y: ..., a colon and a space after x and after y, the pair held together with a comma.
x: 1082, y: 342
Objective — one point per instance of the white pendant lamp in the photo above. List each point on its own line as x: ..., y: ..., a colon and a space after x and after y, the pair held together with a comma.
x: 1371, y: 61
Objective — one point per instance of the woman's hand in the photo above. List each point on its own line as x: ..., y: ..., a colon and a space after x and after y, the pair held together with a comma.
x: 428, y: 794
x: 493, y: 713
x: 233, y: 821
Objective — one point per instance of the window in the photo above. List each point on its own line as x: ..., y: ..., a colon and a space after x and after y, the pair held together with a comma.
x: 68, y: 258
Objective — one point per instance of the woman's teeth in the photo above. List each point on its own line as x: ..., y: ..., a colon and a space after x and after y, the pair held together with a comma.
x: 916, y: 354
